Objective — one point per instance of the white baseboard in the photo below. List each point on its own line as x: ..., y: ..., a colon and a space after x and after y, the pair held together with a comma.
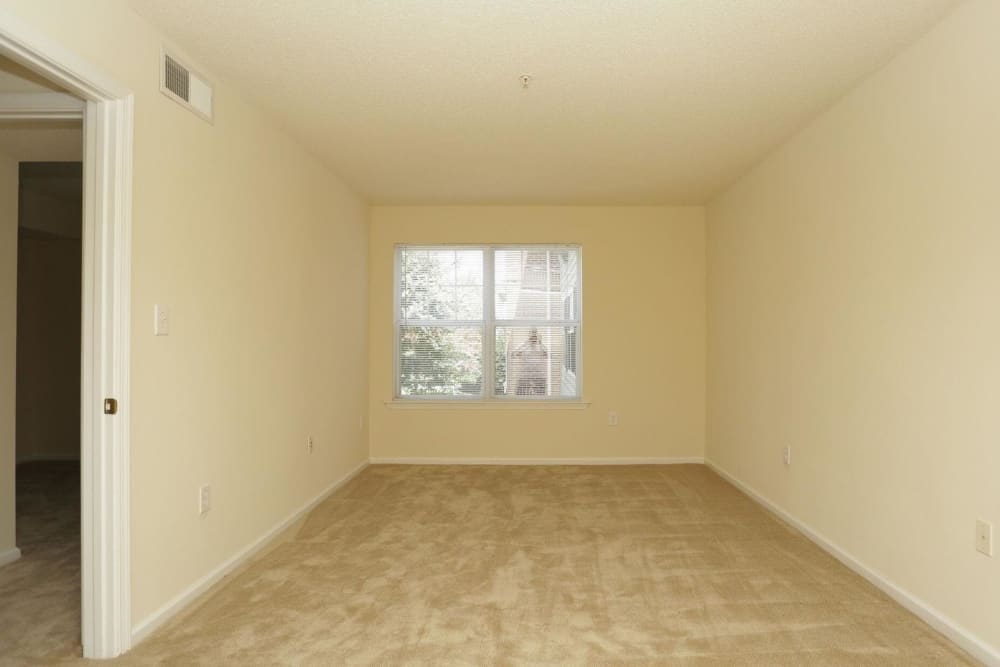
x: 9, y: 556
x: 461, y: 461
x: 972, y: 644
x: 155, y: 620
x: 32, y: 458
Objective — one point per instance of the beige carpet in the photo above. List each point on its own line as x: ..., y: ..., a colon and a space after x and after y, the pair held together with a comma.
x: 545, y: 565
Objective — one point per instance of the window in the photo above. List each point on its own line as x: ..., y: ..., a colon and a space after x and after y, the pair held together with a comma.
x: 485, y: 323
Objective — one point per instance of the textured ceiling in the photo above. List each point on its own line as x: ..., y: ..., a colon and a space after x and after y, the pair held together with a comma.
x: 638, y: 101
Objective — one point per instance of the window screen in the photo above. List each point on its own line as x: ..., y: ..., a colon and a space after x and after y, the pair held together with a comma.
x: 488, y: 322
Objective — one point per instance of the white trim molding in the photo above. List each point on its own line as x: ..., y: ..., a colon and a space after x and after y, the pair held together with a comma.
x: 972, y: 644
x: 9, y: 556
x: 496, y: 404
x: 23, y: 44
x: 488, y: 322
x: 107, y: 218
x: 179, y: 602
x: 465, y: 461
x: 40, y: 106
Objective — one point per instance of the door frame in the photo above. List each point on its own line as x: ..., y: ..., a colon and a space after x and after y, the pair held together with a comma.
x: 105, y: 337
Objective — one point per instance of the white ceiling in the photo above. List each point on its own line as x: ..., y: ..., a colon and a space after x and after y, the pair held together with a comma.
x: 632, y: 101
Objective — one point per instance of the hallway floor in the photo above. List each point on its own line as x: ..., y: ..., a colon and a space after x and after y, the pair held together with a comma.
x: 40, y: 592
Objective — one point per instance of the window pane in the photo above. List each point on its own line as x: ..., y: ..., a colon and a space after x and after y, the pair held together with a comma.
x: 536, y: 361
x: 440, y: 361
x: 441, y: 284
x: 536, y: 283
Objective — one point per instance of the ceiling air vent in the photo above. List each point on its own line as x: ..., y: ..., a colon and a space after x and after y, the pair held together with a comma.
x: 186, y: 87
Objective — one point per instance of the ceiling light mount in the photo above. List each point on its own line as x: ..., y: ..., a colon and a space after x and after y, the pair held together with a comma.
x: 525, y: 80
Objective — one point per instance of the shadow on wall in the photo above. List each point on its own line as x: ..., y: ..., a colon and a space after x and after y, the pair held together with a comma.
x: 49, y: 270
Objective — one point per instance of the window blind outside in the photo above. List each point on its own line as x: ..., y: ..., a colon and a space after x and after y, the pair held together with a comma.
x: 483, y: 323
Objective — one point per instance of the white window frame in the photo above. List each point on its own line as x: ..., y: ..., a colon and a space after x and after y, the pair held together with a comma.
x: 488, y: 324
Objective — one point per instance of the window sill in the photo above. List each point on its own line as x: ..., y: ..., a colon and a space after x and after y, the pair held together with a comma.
x: 427, y: 404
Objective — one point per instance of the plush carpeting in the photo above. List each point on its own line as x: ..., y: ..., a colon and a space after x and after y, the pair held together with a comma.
x: 541, y: 565
x: 40, y: 593
x: 545, y: 565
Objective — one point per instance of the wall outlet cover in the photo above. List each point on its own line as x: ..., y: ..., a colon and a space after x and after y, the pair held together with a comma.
x: 984, y: 538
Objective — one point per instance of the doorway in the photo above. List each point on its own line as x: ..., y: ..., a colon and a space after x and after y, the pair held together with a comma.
x: 106, y: 109
x: 41, y: 220
x: 46, y: 580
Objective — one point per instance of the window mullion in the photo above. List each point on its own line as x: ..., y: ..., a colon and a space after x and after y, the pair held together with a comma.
x: 489, y: 325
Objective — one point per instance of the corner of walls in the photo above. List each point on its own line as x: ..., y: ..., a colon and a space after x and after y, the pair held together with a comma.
x: 947, y: 626
x: 203, y: 585
x: 852, y: 316
x: 705, y: 361
x: 8, y: 353
x: 368, y: 334
x: 260, y: 251
x: 662, y: 416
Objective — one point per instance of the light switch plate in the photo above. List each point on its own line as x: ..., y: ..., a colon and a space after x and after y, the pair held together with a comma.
x: 204, y: 499
x: 161, y: 320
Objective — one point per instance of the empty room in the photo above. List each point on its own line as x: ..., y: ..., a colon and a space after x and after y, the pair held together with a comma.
x: 543, y: 333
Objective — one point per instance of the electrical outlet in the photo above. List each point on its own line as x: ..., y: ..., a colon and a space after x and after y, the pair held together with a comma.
x: 612, y: 418
x: 984, y: 538
x: 310, y: 444
x: 204, y: 499
x: 786, y: 455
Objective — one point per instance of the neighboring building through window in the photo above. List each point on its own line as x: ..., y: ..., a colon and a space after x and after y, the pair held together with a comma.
x: 488, y: 322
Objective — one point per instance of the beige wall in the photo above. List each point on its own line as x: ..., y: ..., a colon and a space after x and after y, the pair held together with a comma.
x: 643, y: 333
x: 260, y: 253
x: 854, y: 315
x: 8, y: 346
x: 48, y: 348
